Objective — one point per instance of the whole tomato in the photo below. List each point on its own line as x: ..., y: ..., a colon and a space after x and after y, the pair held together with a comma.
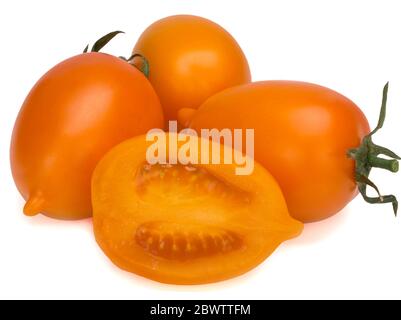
x: 73, y: 115
x: 190, y: 58
x: 313, y: 140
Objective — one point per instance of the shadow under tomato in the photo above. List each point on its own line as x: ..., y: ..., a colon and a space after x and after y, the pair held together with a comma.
x: 43, y: 221
x: 316, y: 231
x: 312, y: 233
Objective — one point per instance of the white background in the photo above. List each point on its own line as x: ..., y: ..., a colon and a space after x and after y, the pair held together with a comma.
x: 353, y: 47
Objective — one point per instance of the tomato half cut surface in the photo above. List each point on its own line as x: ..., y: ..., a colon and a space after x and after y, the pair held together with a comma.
x: 186, y: 224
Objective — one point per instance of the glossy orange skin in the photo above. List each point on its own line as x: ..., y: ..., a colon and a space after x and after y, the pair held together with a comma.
x: 181, y: 226
x: 190, y: 58
x: 73, y: 115
x: 302, y: 134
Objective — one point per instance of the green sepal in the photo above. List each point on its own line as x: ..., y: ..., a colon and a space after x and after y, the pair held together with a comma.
x: 99, y: 44
x: 366, y: 157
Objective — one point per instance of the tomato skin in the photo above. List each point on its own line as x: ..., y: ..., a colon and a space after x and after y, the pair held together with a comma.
x: 73, y: 115
x: 190, y: 58
x: 302, y: 134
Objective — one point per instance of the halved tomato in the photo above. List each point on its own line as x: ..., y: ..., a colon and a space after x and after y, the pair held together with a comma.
x: 186, y: 224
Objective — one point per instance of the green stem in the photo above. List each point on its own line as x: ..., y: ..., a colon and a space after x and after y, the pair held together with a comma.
x: 366, y: 157
x: 377, y: 162
x: 143, y: 67
x: 99, y: 44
